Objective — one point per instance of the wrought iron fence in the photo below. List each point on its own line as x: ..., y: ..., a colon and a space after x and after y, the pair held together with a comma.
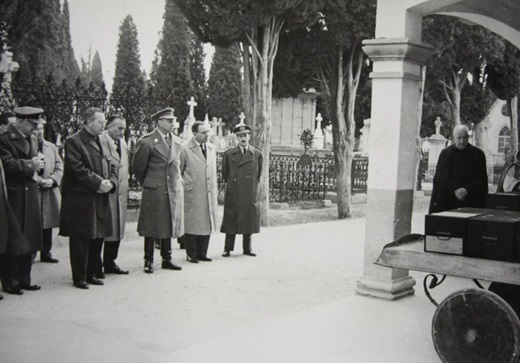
x: 64, y: 106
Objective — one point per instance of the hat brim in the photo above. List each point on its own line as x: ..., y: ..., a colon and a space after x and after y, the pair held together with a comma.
x: 36, y: 121
x: 242, y: 132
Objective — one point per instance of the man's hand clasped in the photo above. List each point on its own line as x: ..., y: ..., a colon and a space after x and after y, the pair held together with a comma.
x: 105, y: 187
x: 461, y: 193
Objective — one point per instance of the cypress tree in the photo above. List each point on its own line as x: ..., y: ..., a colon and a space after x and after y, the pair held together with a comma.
x: 198, y: 76
x: 225, y: 84
x: 96, y: 71
x: 128, y: 74
x: 171, y: 74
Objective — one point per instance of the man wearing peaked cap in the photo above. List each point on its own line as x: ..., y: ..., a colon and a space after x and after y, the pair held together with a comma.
x: 167, y: 113
x: 19, y: 154
x: 241, y: 170
x: 157, y: 168
x: 29, y: 113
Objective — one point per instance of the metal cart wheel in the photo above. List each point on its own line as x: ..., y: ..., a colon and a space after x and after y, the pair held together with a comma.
x: 476, y: 325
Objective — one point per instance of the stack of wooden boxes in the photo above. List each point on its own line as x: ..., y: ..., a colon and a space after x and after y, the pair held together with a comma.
x: 492, y: 233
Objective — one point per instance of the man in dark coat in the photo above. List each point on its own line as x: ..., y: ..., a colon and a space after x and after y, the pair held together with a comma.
x: 241, y: 170
x: 19, y: 155
x: 156, y: 166
x: 86, y: 214
x: 460, y: 176
x: 12, y: 240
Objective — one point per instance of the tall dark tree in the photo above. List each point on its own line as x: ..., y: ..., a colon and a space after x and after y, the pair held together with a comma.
x: 128, y: 88
x: 460, y: 50
x: 38, y: 32
x: 92, y: 71
x: 171, y: 76
x: 198, y: 75
x: 333, y: 46
x: 96, y: 71
x: 503, y: 77
x: 225, y: 85
x: 68, y: 61
x: 128, y: 61
x: 257, y: 25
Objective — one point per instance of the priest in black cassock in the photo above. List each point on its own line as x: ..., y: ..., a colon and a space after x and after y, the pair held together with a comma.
x: 460, y: 176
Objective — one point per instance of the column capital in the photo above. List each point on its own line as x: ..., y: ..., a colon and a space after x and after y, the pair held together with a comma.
x: 395, y: 49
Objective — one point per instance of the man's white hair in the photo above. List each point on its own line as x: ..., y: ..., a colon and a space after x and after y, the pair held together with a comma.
x: 460, y: 128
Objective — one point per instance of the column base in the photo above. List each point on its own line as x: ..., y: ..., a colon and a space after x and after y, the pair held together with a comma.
x: 386, y: 289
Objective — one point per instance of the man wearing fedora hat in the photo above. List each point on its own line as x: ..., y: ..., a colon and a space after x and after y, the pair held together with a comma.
x: 19, y: 155
x: 241, y: 170
x: 156, y: 166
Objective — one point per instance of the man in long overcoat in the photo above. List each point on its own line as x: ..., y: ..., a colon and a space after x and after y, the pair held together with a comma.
x: 199, y: 172
x: 156, y: 166
x: 113, y: 140
x: 12, y: 240
x: 19, y: 154
x: 241, y: 170
x: 49, y: 180
x: 461, y: 175
x: 86, y: 215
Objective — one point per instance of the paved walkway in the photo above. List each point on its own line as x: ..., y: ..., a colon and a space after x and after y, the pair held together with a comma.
x: 295, y: 302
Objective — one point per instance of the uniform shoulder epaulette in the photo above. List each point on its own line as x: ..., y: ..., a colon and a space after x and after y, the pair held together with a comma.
x: 258, y: 149
x: 145, y: 136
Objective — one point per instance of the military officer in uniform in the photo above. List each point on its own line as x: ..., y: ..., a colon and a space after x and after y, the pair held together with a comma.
x: 19, y: 155
x: 156, y: 167
x: 241, y: 170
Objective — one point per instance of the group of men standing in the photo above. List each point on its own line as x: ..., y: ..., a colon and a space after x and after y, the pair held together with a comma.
x: 86, y: 195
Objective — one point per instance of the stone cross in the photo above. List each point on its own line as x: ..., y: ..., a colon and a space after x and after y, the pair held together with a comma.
x: 318, y: 133
x: 438, y: 124
x: 242, y: 117
x: 192, y: 105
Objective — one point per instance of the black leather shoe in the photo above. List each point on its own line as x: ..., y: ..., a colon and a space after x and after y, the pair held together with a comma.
x: 13, y: 290
x: 1, y: 297
x: 225, y: 254
x: 148, y: 267
x: 47, y: 257
x: 29, y: 287
x: 95, y: 281
x: 115, y: 269
x: 100, y: 275
x: 205, y: 259
x: 250, y: 253
x: 169, y: 265
x: 81, y: 285
x: 192, y: 260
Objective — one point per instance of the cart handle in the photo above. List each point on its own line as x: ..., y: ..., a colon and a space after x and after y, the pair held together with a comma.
x: 489, y: 241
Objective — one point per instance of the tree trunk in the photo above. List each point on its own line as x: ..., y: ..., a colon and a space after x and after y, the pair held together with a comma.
x: 512, y: 105
x: 264, y: 46
x: 455, y: 104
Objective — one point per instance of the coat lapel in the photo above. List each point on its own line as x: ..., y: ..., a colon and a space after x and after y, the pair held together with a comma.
x: 160, y: 145
x: 195, y: 148
x: 174, y: 149
x: 247, y: 157
x: 18, y: 140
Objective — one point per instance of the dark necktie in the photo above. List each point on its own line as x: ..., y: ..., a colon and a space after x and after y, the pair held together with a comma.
x: 99, y: 145
x: 202, y: 147
x: 118, y: 147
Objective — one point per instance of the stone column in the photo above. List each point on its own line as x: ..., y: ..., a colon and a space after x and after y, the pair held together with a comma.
x: 396, y: 79
x: 437, y: 143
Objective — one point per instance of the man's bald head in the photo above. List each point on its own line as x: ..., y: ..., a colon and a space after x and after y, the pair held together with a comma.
x: 460, y: 137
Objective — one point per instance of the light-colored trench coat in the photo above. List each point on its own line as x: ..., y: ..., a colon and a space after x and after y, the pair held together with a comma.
x: 119, y: 199
x: 156, y: 167
x: 50, y: 198
x: 200, y: 188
